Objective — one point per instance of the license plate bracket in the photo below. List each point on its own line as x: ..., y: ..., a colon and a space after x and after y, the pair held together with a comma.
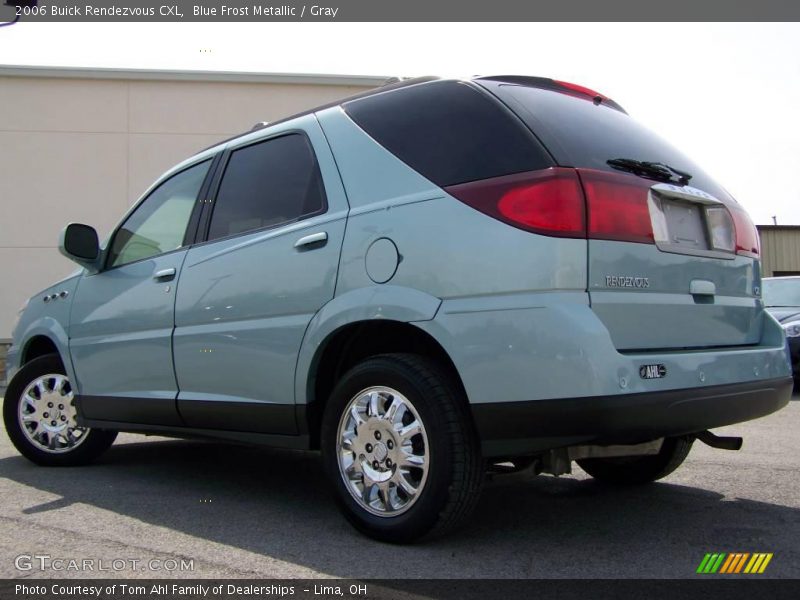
x: 686, y: 224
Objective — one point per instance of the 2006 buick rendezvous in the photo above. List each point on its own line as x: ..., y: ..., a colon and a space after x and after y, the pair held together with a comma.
x: 422, y: 282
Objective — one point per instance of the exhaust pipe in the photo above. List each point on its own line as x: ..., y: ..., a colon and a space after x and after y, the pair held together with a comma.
x: 721, y: 442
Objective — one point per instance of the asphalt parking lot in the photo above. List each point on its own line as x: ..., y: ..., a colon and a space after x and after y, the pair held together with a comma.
x: 251, y: 512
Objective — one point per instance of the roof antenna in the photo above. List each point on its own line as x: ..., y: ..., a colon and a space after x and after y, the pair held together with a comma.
x: 774, y: 220
x: 259, y: 125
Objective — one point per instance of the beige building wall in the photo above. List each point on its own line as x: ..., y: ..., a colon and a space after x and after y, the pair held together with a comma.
x: 82, y: 145
x: 780, y: 249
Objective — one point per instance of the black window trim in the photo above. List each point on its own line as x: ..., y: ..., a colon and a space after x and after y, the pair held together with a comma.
x: 193, y: 227
x: 198, y: 206
x: 484, y: 89
x: 204, y: 224
x: 518, y: 109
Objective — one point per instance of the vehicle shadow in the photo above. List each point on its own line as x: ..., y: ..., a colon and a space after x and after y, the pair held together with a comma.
x: 276, y: 503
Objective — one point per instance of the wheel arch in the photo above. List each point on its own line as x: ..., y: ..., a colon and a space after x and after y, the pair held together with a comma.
x: 38, y: 346
x: 44, y: 337
x: 361, y: 323
x: 351, y: 344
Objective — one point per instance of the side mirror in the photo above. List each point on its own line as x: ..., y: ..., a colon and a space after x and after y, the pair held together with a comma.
x: 79, y: 243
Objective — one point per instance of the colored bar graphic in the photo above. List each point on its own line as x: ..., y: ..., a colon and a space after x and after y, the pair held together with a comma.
x: 730, y: 564
x: 734, y: 563
x: 764, y: 564
x: 703, y: 563
x: 717, y: 563
x: 755, y: 563
x: 736, y: 558
x: 740, y: 564
x: 727, y: 564
x: 710, y: 564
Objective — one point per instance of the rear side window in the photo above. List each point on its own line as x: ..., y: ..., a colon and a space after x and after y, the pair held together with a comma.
x: 449, y: 132
x: 267, y: 184
x: 579, y: 133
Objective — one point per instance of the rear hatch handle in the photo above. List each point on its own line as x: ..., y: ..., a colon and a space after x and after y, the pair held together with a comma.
x: 702, y: 287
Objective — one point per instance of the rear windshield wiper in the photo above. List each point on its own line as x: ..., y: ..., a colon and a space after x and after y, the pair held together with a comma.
x: 654, y: 170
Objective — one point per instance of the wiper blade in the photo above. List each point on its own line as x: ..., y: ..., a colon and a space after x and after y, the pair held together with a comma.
x: 655, y: 170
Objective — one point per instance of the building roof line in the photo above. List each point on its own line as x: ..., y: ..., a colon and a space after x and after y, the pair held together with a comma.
x: 191, y: 75
x: 389, y: 85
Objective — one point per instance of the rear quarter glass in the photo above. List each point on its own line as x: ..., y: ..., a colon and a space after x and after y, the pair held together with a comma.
x: 580, y: 133
x: 451, y: 132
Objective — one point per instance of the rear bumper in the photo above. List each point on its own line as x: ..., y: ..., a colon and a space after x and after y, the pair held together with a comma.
x: 519, y: 428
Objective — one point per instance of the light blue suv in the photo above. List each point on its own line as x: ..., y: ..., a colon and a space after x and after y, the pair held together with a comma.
x: 423, y: 282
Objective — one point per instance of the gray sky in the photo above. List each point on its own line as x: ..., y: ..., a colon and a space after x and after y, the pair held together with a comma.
x: 728, y: 95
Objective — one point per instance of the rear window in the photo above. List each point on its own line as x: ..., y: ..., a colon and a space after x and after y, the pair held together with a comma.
x: 449, y: 131
x: 579, y: 133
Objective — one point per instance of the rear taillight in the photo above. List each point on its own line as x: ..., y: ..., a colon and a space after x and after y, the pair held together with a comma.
x: 747, y: 242
x: 549, y: 202
x: 552, y: 202
x: 617, y: 206
x: 600, y: 205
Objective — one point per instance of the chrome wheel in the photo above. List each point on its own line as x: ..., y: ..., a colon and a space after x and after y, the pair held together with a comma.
x: 383, y: 451
x: 47, y: 414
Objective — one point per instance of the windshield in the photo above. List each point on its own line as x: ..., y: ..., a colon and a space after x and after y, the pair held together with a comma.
x: 781, y: 292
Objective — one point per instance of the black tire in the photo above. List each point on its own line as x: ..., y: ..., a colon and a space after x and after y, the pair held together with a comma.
x: 455, y: 471
x: 630, y: 470
x: 97, y: 441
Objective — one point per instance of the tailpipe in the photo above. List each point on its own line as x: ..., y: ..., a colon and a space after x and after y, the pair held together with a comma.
x: 719, y: 441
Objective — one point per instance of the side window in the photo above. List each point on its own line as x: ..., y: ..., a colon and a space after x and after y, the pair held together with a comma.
x: 270, y: 183
x: 449, y: 132
x: 159, y: 223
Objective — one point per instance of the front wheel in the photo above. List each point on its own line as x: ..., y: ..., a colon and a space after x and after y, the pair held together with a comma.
x: 41, y: 420
x: 400, y: 449
x: 628, y: 470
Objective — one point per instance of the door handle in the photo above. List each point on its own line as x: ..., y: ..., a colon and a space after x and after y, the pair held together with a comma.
x: 164, y: 274
x: 315, y: 239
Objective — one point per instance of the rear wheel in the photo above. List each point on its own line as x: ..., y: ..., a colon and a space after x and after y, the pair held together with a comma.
x: 400, y: 450
x: 41, y: 419
x: 639, y: 469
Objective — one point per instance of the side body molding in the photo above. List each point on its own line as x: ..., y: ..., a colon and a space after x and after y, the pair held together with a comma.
x: 388, y: 302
